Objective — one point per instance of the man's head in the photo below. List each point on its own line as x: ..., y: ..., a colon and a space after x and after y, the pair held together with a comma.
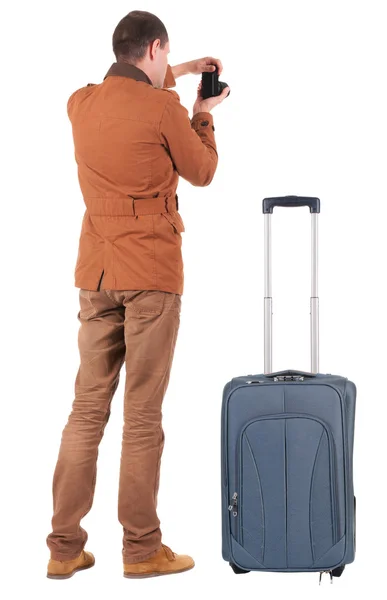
x: 141, y: 39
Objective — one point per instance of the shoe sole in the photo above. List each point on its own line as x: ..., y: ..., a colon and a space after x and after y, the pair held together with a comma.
x: 155, y: 574
x: 68, y: 575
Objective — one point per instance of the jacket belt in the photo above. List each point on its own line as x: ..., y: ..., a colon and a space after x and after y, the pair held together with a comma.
x: 128, y: 206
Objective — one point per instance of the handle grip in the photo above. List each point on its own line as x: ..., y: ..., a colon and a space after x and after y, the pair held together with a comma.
x: 291, y: 201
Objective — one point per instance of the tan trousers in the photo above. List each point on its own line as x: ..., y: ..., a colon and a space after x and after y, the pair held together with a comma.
x: 140, y: 328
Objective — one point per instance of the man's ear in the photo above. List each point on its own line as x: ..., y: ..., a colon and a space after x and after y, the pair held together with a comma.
x: 153, y: 47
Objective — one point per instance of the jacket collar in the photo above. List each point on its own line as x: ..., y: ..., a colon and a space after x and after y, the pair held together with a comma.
x: 124, y: 69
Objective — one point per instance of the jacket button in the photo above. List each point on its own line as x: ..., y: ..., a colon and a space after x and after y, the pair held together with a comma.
x: 204, y: 123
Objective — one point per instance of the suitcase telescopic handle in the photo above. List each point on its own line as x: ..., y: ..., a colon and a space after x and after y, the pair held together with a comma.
x: 291, y: 201
x: 314, y: 207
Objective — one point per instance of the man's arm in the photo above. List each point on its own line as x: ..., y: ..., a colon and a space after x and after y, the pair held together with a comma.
x: 195, y: 67
x: 198, y: 66
x: 191, y: 143
x: 169, y: 80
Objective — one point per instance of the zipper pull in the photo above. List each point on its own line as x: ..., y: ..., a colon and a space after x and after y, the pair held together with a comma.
x: 234, y: 505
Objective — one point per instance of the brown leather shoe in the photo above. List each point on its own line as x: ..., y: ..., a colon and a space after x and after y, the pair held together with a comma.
x: 63, y: 569
x: 165, y: 562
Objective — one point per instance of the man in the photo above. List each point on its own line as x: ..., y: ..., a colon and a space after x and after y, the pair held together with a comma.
x: 132, y: 140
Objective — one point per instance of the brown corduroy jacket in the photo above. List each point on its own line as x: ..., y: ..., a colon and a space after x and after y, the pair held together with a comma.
x: 131, y: 142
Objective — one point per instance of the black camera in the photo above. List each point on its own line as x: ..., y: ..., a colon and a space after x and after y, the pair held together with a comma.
x: 211, y: 86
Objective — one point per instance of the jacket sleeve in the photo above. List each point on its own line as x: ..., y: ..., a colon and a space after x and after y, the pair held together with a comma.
x: 190, y: 143
x: 169, y: 80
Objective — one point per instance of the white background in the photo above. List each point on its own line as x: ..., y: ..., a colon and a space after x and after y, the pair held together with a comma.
x: 306, y: 116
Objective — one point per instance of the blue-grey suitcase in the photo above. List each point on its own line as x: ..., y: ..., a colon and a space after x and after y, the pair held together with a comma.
x: 287, y: 438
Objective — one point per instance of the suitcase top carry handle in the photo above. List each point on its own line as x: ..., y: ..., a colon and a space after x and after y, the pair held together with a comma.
x: 291, y: 201
x: 314, y: 205
x: 291, y: 373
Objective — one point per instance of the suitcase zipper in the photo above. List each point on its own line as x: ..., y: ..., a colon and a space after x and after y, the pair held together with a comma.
x: 234, y: 506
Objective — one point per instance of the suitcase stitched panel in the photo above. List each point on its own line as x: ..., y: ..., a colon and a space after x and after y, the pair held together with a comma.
x: 286, y: 490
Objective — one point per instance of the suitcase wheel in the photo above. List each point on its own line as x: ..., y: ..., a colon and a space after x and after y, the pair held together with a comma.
x: 338, y: 571
x: 237, y: 569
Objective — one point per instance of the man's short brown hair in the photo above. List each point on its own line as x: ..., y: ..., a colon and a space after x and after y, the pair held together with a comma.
x: 134, y: 33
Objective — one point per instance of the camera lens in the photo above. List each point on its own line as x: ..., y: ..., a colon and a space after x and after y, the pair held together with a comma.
x: 221, y: 86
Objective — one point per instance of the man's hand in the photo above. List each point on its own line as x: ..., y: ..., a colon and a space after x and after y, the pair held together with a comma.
x: 208, y: 104
x: 197, y: 67
x: 202, y: 65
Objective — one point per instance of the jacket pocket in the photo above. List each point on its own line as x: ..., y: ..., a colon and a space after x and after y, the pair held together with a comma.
x: 174, y: 218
